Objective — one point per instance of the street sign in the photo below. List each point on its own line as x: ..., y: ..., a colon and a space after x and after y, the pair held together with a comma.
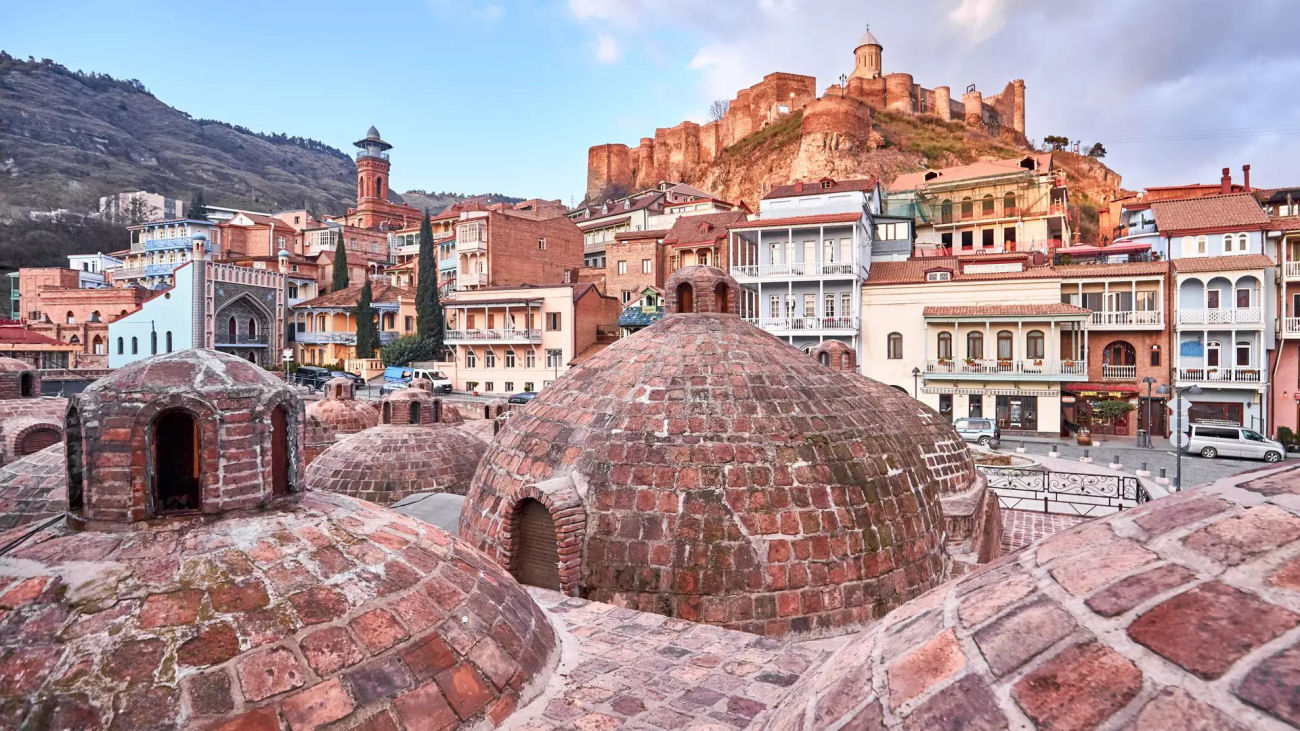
x: 288, y: 355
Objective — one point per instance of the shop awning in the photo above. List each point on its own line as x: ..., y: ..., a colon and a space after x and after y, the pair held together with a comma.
x: 1101, y: 389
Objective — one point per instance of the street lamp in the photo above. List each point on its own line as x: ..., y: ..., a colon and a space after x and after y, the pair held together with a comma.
x: 916, y: 377
x: 1192, y: 390
x: 1149, y: 381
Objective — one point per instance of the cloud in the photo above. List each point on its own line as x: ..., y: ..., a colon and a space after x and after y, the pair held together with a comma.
x: 980, y: 18
x: 607, y: 50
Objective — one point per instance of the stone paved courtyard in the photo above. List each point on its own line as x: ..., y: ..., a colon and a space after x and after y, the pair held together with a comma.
x: 1022, y: 527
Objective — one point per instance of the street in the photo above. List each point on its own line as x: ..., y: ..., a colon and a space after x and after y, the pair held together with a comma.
x: 1196, y: 470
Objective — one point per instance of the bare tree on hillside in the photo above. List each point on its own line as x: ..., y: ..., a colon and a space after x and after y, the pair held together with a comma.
x: 718, y: 109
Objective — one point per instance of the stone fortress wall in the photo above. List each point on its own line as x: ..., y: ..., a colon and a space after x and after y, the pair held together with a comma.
x: 676, y: 153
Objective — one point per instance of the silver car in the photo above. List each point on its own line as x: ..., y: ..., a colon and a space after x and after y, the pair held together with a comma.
x: 983, y: 431
x: 1229, y: 440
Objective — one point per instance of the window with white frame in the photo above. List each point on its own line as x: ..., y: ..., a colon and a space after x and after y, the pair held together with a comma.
x: 541, y: 243
x: 941, y: 276
x: 846, y: 304
x: 810, y: 305
x: 1243, y: 354
x: 622, y: 267
x: 646, y: 267
x: 774, y: 306
x: 471, y: 361
x: 530, y: 359
x: 510, y: 386
x: 510, y: 360
x: 553, y: 357
x: 829, y: 306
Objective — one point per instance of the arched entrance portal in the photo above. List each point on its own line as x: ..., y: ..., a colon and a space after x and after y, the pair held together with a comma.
x: 175, y: 463
x: 537, y: 555
x: 279, y: 452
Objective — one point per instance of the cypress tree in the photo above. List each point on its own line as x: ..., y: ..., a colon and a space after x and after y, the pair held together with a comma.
x: 340, y: 265
x: 197, y: 210
x: 428, y: 310
x: 367, y: 336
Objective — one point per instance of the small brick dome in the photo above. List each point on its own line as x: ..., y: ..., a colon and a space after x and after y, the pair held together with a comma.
x: 411, y: 406
x: 18, y: 379
x: 704, y: 469
x: 1178, y: 614
x: 34, y: 488
x: 340, y: 408
x: 191, y: 432
x: 388, y: 462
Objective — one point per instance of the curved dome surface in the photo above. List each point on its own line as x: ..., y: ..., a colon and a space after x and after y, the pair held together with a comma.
x: 193, y: 370
x: 386, y: 463
x: 326, y: 610
x: 704, y: 469
x: 34, y: 488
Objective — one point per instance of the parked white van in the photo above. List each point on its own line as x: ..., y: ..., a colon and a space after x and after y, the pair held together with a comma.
x: 1229, y: 440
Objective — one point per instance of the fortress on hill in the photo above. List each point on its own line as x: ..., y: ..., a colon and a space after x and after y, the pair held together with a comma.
x: 842, y: 111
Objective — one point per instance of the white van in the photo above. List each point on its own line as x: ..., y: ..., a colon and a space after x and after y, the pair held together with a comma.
x: 441, y: 383
x: 1229, y: 440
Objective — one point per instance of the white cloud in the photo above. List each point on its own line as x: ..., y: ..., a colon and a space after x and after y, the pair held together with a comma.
x: 980, y: 18
x: 607, y: 50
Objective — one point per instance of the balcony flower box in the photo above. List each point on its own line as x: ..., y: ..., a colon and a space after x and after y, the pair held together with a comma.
x: 970, y: 362
x: 1069, y: 363
x: 1194, y: 373
x: 1038, y: 362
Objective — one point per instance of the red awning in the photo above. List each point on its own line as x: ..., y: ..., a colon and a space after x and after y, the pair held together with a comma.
x: 1101, y: 389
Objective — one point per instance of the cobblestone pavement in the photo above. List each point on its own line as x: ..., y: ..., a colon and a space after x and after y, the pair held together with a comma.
x: 1022, y: 527
x: 1196, y: 470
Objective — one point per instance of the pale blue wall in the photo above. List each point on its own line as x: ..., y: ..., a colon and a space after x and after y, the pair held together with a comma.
x: 171, y: 311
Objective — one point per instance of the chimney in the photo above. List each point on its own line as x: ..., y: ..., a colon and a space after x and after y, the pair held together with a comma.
x: 1245, y: 172
x: 798, y: 186
x: 1225, y: 183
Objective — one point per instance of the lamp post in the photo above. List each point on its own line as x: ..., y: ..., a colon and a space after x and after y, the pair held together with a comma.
x: 916, y: 377
x: 1149, y: 381
x: 1192, y: 390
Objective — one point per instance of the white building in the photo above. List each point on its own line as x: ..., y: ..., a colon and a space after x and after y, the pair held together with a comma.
x: 91, y: 268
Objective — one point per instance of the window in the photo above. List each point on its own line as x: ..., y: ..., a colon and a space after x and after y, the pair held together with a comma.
x: 986, y: 237
x: 1243, y: 297
x: 942, y: 276
x: 1035, y: 345
x: 774, y: 306
x: 627, y: 296
x: 975, y: 345
x: 846, y: 304
x: 1004, y: 345
x: 810, y: 305
x: 120, y: 346
x: 967, y: 239
x: 1243, y: 354
x: 891, y: 231
x: 490, y: 359
x: 408, y: 323
x: 829, y: 307
x: 1009, y: 237
x: 976, y: 405
x: 553, y: 357
x: 1213, y: 350
x: 252, y: 328
x: 510, y: 386
x: 945, y: 346
x: 231, y: 330
x: 988, y: 205
x: 70, y: 319
x: 470, y: 360
x: 945, y: 212
x: 1229, y: 243
x: 530, y: 359
x: 646, y: 267
x: 553, y: 321
x: 489, y: 386
x: 510, y: 363
x: 1155, y: 355
x: 967, y: 208
x: 1009, y: 204
x: 135, y: 346
x: 894, y: 346
x: 945, y: 240
x: 541, y: 243
x: 945, y: 406
x: 1212, y: 299
x: 622, y: 267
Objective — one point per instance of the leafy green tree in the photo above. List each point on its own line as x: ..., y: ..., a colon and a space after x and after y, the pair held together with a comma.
x: 340, y: 265
x: 1056, y: 142
x: 1098, y: 150
x: 406, y: 350
x: 367, y: 335
x: 197, y: 209
x: 428, y: 310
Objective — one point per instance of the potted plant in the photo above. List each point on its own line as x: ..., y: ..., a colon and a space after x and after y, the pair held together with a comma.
x: 1083, y: 437
x: 970, y: 362
x: 1288, y: 438
x: 472, y: 386
x: 1111, y: 410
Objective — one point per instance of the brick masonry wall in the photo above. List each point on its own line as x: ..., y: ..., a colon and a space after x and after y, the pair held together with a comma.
x: 514, y: 257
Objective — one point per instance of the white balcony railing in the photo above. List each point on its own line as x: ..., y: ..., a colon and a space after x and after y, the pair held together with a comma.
x: 319, y: 337
x: 471, y: 279
x: 479, y: 335
x: 470, y: 246
x: 783, y: 324
x: 1032, y: 367
x: 1221, y: 315
x: 1220, y: 375
x: 1291, y: 270
x: 1119, y: 372
x: 787, y: 271
x: 1291, y: 326
x: 1128, y: 318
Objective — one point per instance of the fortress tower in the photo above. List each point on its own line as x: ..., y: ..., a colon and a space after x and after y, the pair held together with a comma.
x: 867, y: 57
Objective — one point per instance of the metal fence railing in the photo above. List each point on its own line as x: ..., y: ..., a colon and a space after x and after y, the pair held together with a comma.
x: 1071, y: 493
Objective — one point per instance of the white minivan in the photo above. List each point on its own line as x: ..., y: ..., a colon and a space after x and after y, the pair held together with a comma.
x: 1228, y: 440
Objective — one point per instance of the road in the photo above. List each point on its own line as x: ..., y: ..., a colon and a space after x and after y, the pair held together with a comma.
x: 1196, y: 470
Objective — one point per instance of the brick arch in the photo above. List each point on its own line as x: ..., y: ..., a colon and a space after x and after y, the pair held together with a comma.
x: 561, y: 500
x: 294, y: 422
x: 33, y: 436
x: 208, y: 424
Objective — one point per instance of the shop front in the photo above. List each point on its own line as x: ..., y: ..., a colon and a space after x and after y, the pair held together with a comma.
x: 1097, y: 406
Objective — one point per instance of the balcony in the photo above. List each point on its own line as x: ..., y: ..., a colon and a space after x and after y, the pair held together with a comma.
x: 454, y: 337
x: 1291, y: 270
x: 471, y: 279
x: 810, y: 325
x: 970, y: 368
x: 323, y: 337
x: 1119, y: 373
x: 1221, y: 316
x: 1245, y: 376
x: 795, y: 271
x: 1128, y: 320
x: 173, y: 242
x: 471, y: 246
x: 1291, y: 327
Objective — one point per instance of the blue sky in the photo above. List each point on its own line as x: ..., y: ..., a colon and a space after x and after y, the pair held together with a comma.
x: 507, y: 96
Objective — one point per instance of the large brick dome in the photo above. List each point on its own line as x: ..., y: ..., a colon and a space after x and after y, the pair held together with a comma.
x: 704, y: 469
x: 386, y: 463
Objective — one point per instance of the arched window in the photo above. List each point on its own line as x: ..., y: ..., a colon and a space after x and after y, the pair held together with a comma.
x: 153, y: 343
x: 70, y: 318
x: 894, y: 346
x: 987, y: 205
x: 471, y: 361
x: 536, y: 551
x: 293, y: 291
x: 824, y: 358
x: 232, y: 330
x: 1035, y: 345
x: 320, y: 322
x: 175, y: 469
x: 945, y: 212
x: 685, y: 297
x: 387, y: 412
x: 279, y: 451
x: 415, y: 412
x: 721, y: 296
x: 94, y: 316
x: 1009, y: 205
x: 27, y: 385
x: 967, y: 207
x: 121, y: 346
x: 1005, y: 343
x: 1119, y: 353
x: 490, y: 359
x: 97, y: 345
x: 135, y: 345
x: 74, y: 340
x: 252, y: 327
x: 945, y: 346
x: 1155, y: 355
x: 975, y: 345
x: 379, y: 186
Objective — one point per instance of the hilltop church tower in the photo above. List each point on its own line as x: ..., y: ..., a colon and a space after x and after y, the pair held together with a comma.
x: 866, y: 63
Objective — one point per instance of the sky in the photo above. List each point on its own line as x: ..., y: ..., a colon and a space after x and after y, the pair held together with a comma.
x: 506, y: 97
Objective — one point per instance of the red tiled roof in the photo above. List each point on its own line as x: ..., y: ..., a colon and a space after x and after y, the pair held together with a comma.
x: 1284, y: 223
x: 814, y: 187
x: 11, y: 335
x: 981, y: 169
x: 912, y: 271
x: 1216, y: 211
x: 1223, y: 263
x: 657, y: 233
x: 1056, y: 308
x: 798, y: 220
x: 379, y: 292
x: 1109, y: 270
x: 687, y: 229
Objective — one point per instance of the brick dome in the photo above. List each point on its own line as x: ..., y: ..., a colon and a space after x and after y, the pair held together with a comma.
x: 704, y: 469
x: 34, y: 488
x: 388, y: 462
x: 18, y: 379
x: 340, y: 408
x: 1178, y: 614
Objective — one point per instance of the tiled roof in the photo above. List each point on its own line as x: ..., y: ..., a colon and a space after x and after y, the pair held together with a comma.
x: 23, y: 336
x: 814, y: 187
x: 655, y: 233
x: 1216, y: 211
x: 1112, y: 270
x: 686, y: 230
x: 604, y: 222
x: 684, y: 189
x: 912, y: 271
x: 593, y: 212
x: 981, y: 169
x: 379, y: 292
x: 798, y: 220
x: 1223, y: 263
x: 1284, y: 223
x: 1055, y: 308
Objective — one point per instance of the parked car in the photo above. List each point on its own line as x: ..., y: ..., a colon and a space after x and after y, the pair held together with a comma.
x: 984, y: 432
x: 522, y: 397
x: 312, y: 377
x: 441, y: 383
x: 395, y: 379
x: 1229, y: 440
x: 355, y: 378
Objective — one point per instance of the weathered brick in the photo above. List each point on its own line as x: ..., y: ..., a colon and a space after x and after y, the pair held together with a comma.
x: 1014, y: 638
x: 318, y: 705
x: 1274, y: 685
x: 1079, y: 688
x: 268, y: 672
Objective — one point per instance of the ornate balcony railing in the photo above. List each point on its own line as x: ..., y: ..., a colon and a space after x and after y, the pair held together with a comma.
x: 492, y: 334
x: 1070, y: 493
x: 1119, y: 372
x: 1030, y: 367
x: 1221, y: 375
x: 1291, y: 270
x: 843, y: 324
x: 1221, y: 315
x: 1127, y: 318
x: 787, y: 271
x: 1291, y: 326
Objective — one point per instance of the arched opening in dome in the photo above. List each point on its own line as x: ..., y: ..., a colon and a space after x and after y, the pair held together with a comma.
x: 536, y: 554
x: 338, y: 391
x: 175, y: 440
x: 36, y: 440
x: 27, y: 384
x: 388, y: 413
x: 685, y: 297
x: 72, y: 450
x: 846, y: 360
x: 824, y: 358
x: 721, y: 295
x: 415, y: 412
x: 279, y: 451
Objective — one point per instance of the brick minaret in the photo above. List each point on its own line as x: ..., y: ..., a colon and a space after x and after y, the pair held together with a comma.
x: 372, y: 172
